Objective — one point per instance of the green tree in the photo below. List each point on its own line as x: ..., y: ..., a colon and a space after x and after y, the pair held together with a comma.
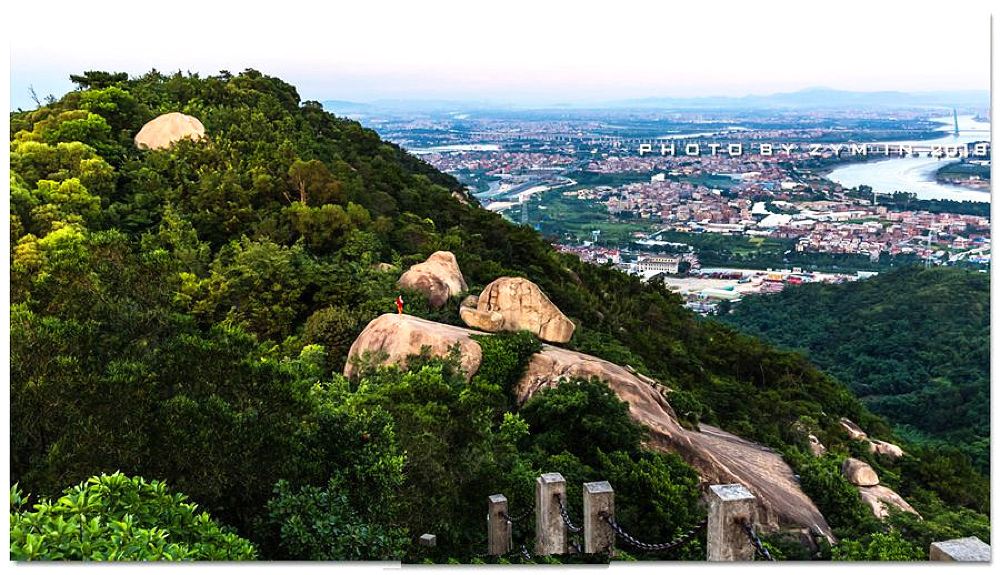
x: 258, y: 285
x: 119, y: 518
x: 320, y: 524
x: 583, y: 417
x: 313, y: 183
x: 335, y: 328
x: 878, y: 547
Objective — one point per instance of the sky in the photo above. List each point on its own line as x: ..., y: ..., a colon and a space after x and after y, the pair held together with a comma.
x: 512, y: 51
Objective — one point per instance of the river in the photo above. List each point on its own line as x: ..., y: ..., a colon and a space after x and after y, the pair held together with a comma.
x: 916, y: 175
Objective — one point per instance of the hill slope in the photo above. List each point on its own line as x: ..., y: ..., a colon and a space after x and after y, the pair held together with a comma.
x: 913, y: 344
x: 183, y: 314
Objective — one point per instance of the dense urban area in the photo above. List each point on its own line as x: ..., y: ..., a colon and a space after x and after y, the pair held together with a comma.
x: 719, y: 205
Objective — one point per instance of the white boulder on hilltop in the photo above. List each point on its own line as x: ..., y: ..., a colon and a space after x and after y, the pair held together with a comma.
x: 164, y: 130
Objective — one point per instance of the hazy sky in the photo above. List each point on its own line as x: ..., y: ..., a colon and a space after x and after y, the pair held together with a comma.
x: 529, y: 52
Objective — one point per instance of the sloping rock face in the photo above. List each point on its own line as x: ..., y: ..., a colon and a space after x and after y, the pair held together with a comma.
x: 718, y: 456
x: 513, y: 304
x: 880, y: 497
x: 439, y: 278
x: 391, y: 338
x: 163, y: 131
x: 859, y: 473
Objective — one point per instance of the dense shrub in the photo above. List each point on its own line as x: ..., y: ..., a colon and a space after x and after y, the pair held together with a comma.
x: 119, y: 518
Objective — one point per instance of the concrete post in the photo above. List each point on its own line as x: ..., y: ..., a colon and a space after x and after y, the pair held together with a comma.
x: 728, y: 507
x: 966, y: 549
x: 551, y: 534
x: 598, y: 498
x: 498, y: 528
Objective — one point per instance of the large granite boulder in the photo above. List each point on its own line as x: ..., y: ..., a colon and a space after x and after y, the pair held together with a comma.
x: 853, y: 430
x: 719, y: 457
x: 439, y: 278
x: 163, y: 131
x: 514, y: 304
x: 886, y: 449
x: 879, y: 497
x: 392, y: 338
x: 859, y: 473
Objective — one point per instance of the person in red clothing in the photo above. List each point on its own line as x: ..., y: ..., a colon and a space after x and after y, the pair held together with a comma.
x: 399, y: 304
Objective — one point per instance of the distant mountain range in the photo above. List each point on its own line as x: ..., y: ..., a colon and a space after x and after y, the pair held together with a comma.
x: 809, y: 98
x: 823, y: 98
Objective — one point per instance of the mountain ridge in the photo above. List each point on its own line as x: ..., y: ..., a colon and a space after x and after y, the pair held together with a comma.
x: 819, y: 98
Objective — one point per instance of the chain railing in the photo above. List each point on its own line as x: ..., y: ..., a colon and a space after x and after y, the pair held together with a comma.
x: 758, y: 547
x: 635, y: 543
x: 521, y: 552
x: 518, y: 518
x: 513, y: 551
x: 729, y: 525
x: 565, y: 516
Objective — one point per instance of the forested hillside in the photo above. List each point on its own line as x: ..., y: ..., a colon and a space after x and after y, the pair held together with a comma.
x: 183, y: 315
x: 913, y: 344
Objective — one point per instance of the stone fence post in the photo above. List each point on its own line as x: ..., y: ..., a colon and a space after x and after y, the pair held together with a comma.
x: 498, y: 527
x: 551, y: 534
x: 728, y: 507
x: 966, y: 549
x: 598, y: 498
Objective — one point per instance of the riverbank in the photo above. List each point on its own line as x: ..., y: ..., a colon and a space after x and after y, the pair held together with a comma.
x: 916, y: 175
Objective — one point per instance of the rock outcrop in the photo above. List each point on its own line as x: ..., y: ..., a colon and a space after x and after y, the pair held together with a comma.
x: 392, y: 338
x: 439, y: 278
x: 815, y: 446
x: 877, y: 497
x: 852, y: 429
x: 719, y: 457
x: 165, y: 130
x: 514, y: 304
x: 461, y: 197
x: 880, y: 497
x: 859, y: 473
x: 883, y: 448
x: 886, y: 449
x: 491, y: 321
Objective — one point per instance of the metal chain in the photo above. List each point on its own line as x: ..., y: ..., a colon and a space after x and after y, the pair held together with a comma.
x: 482, y: 544
x: 510, y: 553
x: 565, y: 517
x: 653, y: 547
x: 521, y: 517
x: 514, y: 552
x: 755, y: 541
x: 525, y: 553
